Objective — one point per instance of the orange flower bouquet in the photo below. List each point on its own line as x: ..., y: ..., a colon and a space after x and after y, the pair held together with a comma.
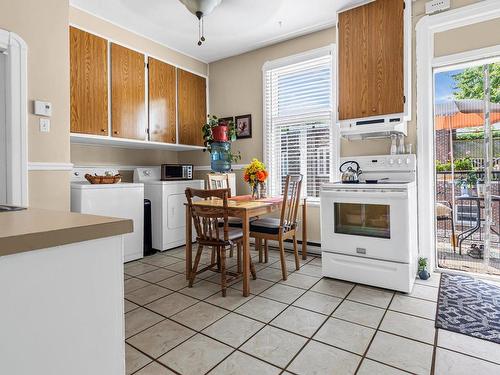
x: 255, y: 175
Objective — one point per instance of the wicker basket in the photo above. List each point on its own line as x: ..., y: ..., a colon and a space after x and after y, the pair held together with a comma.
x: 103, y: 179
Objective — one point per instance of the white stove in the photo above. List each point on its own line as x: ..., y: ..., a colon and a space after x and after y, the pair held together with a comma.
x: 369, y: 229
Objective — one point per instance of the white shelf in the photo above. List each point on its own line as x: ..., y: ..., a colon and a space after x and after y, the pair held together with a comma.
x: 89, y: 139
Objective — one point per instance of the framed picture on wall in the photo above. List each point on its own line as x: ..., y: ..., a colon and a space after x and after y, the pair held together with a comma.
x: 243, y: 126
x: 225, y: 120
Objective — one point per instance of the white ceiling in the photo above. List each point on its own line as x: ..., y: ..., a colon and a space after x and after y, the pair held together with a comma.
x: 236, y: 26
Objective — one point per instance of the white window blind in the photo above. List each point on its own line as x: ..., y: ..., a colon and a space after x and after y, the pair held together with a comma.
x: 299, y: 136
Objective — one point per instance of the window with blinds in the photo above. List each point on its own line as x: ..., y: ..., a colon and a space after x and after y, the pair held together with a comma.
x: 299, y: 135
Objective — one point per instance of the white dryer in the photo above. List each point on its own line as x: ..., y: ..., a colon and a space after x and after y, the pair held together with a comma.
x: 124, y: 200
x: 168, y: 213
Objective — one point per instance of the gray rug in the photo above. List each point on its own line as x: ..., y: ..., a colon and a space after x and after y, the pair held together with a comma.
x: 469, y: 306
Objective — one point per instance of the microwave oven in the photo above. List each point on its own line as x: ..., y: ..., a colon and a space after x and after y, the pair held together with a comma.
x: 172, y: 172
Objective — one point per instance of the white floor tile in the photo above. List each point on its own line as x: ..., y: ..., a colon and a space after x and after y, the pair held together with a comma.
x: 333, y: 287
x: 369, y: 367
x: 300, y: 321
x: 409, y: 326
x: 318, y: 358
x: 274, y: 345
x: 196, y: 355
x: 239, y: 363
x: 359, y: 313
x: 371, y: 296
x: 161, y: 338
x: 413, y: 306
x: 345, y: 335
x: 233, y: 329
x: 452, y: 363
x: 261, y: 308
x: 402, y: 353
x: 282, y: 293
x: 464, y: 344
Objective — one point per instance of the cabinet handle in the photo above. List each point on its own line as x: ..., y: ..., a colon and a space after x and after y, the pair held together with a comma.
x: 103, y: 130
x: 115, y: 132
x: 173, y: 139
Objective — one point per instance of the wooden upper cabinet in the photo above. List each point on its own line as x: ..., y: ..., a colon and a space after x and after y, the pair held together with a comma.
x: 371, y: 60
x: 88, y: 83
x: 192, y: 107
x: 128, y: 107
x: 162, y: 114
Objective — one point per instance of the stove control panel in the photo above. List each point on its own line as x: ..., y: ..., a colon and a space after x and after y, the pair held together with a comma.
x: 405, y: 162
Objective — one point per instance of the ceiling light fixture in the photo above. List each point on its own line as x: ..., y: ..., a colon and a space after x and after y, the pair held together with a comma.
x: 201, y: 8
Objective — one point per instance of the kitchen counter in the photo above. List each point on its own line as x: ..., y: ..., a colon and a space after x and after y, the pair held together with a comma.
x: 35, y: 229
x: 64, y: 306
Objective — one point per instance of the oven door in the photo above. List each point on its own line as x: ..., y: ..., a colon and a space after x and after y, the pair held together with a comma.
x: 370, y: 223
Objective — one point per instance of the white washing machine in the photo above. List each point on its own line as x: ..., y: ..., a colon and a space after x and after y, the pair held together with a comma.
x: 168, y: 213
x: 123, y: 200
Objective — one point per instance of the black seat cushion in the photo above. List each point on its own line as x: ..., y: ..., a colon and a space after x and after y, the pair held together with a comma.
x: 267, y: 225
x: 234, y: 222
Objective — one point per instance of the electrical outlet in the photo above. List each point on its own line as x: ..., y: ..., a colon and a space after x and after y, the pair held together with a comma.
x: 436, y: 6
x: 44, y: 125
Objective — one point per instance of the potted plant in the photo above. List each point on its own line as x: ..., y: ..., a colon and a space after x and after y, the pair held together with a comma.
x: 422, y: 269
x: 217, y: 139
x: 467, y: 182
x: 255, y: 175
x: 215, y: 131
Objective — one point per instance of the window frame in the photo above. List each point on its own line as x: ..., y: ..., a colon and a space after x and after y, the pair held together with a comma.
x: 331, y: 50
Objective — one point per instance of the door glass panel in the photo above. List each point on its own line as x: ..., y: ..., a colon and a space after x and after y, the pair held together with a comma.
x: 467, y: 167
x: 369, y: 220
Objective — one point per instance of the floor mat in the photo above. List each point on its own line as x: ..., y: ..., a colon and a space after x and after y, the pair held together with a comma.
x: 469, y: 306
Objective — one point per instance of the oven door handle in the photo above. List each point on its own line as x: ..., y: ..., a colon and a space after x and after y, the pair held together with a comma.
x: 388, y: 194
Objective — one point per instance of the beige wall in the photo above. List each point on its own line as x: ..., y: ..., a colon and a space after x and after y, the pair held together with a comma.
x: 44, y: 27
x: 479, y: 35
x: 83, y: 155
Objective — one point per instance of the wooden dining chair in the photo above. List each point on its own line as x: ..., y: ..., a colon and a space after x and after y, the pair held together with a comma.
x: 218, y: 181
x: 285, y: 227
x: 210, y: 234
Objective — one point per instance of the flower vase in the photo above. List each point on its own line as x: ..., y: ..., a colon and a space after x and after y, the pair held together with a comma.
x: 256, y: 192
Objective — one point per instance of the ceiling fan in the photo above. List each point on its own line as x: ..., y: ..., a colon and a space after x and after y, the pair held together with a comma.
x: 201, y: 8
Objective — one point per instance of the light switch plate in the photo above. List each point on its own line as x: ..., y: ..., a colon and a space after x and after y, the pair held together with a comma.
x: 43, y: 108
x: 44, y: 125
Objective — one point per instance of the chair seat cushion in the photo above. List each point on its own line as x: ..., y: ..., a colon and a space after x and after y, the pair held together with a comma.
x: 266, y: 225
x: 235, y: 222
x: 232, y: 233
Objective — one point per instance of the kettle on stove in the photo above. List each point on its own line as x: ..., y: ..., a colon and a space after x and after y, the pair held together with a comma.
x: 350, y: 175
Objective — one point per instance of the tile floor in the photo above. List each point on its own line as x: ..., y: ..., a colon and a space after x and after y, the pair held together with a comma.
x: 306, y: 325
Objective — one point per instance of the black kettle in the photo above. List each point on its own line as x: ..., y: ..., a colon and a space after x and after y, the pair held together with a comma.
x: 350, y: 175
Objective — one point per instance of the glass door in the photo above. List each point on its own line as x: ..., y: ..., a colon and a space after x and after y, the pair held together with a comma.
x: 467, y: 166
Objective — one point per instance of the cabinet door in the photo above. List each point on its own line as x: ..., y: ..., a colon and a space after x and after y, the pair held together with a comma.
x: 89, y: 83
x: 128, y: 107
x: 371, y: 58
x: 192, y: 107
x: 161, y: 84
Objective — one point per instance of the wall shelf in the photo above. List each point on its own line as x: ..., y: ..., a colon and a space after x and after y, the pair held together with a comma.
x: 88, y: 139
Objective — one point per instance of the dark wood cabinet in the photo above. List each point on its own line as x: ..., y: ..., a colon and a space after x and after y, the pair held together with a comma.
x: 88, y: 83
x: 371, y: 60
x: 128, y: 102
x: 162, y: 103
x: 192, y: 107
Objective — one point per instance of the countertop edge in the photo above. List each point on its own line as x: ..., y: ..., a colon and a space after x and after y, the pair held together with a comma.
x: 64, y: 236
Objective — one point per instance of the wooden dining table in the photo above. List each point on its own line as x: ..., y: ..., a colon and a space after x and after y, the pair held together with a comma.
x: 244, y: 208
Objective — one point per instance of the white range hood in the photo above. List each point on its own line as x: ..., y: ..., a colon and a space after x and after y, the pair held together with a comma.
x: 370, y: 128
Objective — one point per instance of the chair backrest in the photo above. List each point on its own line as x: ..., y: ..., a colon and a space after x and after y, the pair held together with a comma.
x: 291, y: 201
x: 218, y: 181
x: 207, y: 220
